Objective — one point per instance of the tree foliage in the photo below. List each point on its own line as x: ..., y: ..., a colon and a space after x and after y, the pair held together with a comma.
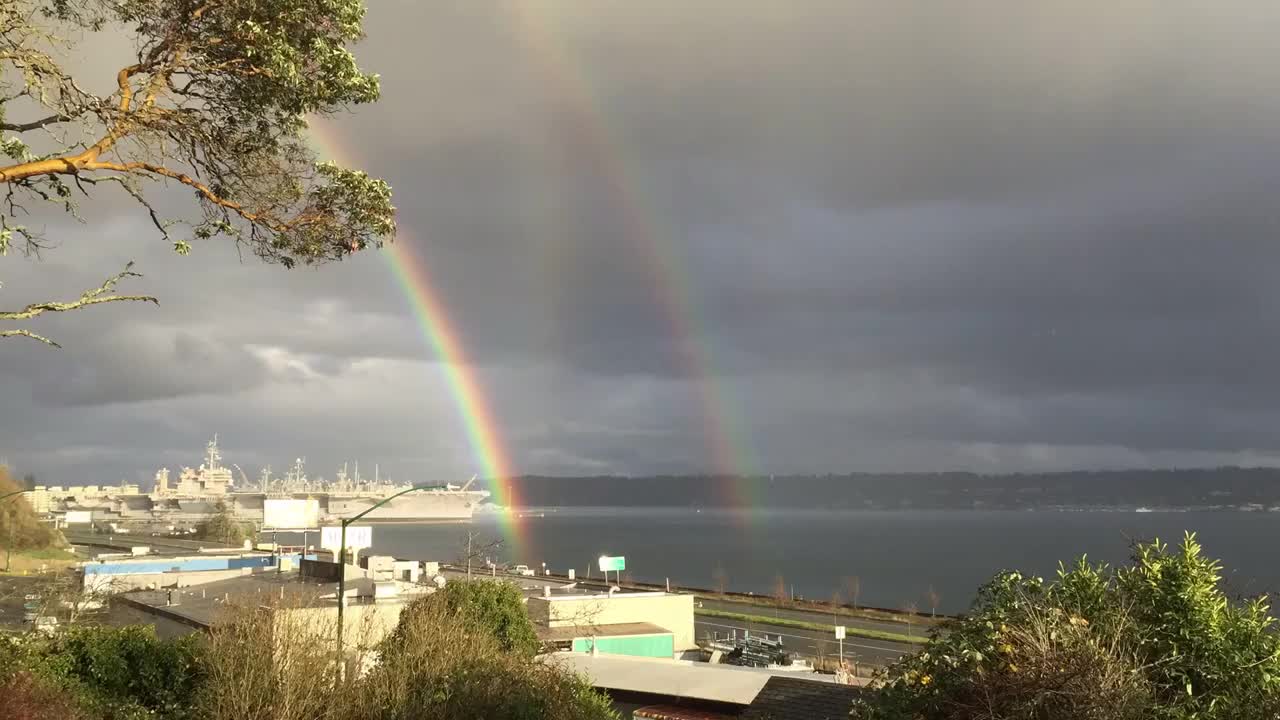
x: 1155, y: 639
x: 27, y: 697
x: 495, y: 608
x: 443, y: 661
x: 260, y: 661
x: 223, y: 527
x: 213, y: 101
x: 19, y: 521
x: 467, y: 652
x: 107, y: 672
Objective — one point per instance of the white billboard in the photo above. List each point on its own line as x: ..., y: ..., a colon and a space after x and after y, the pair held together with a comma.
x: 79, y: 517
x: 359, y: 537
x: 290, y: 514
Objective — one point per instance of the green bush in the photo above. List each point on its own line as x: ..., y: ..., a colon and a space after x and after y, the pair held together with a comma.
x: 454, y: 659
x: 223, y: 527
x: 1155, y: 639
x: 131, y: 664
x: 491, y: 606
x: 110, y: 672
x: 27, y: 697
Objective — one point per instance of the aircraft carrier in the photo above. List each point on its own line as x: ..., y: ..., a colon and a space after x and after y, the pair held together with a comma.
x: 198, y: 493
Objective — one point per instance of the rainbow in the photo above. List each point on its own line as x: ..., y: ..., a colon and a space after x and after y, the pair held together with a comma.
x: 474, y: 409
x: 587, y: 131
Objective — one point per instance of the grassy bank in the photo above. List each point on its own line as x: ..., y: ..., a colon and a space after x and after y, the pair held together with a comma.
x: 27, y: 561
x: 816, y: 627
x: 821, y: 607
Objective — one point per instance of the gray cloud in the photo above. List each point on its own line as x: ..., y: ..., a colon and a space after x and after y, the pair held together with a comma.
x: 893, y: 235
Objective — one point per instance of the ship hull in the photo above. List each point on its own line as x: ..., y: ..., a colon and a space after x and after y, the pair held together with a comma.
x: 423, y: 506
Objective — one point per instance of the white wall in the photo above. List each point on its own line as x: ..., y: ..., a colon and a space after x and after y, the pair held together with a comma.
x: 673, y: 612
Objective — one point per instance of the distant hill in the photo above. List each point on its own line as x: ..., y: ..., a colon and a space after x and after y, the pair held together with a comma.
x: 1253, y: 488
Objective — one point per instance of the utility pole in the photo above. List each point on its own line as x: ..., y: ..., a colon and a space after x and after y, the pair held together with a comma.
x: 342, y: 561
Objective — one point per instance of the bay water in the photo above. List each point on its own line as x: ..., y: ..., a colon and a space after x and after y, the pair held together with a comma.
x: 897, y: 556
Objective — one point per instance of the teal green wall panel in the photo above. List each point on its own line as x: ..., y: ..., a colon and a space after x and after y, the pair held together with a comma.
x: 658, y: 646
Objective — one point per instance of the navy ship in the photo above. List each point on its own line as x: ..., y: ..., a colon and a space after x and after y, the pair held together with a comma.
x: 198, y: 492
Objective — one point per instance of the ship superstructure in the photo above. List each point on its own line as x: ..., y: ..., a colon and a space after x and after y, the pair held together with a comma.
x: 200, y: 492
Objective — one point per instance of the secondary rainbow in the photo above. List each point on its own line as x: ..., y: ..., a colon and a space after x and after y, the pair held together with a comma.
x: 588, y: 134
x: 474, y: 409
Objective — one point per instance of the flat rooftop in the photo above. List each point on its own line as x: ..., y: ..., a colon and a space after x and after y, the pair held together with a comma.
x: 674, y: 678
x: 201, y: 605
x: 604, y: 595
x: 614, y: 630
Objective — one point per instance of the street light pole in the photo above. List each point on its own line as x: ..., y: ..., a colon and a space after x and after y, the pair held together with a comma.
x: 342, y: 558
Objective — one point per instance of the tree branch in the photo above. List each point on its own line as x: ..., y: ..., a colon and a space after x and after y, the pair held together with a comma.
x: 35, y: 124
x: 95, y: 296
x: 28, y: 333
x: 205, y: 191
x: 72, y: 163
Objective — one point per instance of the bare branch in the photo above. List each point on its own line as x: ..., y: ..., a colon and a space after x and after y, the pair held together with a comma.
x: 28, y: 333
x: 35, y: 124
x: 104, y: 293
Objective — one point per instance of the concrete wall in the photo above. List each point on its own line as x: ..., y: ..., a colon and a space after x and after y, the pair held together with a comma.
x: 672, y: 612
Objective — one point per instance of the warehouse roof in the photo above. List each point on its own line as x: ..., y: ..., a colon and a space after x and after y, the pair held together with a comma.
x: 672, y: 678
x: 614, y: 630
x: 788, y: 698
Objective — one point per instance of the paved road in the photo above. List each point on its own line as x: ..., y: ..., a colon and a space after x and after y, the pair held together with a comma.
x: 805, y: 642
x: 13, y: 589
x: 809, y: 643
x: 124, y: 542
x: 812, y: 616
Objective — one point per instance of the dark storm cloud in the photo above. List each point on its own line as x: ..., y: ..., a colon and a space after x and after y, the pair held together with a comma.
x: 899, y: 235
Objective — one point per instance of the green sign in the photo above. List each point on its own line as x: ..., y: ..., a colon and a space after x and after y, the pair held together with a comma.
x: 615, y: 564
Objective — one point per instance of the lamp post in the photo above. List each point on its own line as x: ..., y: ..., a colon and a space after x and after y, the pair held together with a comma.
x: 8, y: 549
x: 342, y: 557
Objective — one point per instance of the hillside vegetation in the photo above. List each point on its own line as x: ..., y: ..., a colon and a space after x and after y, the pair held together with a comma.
x: 19, y: 522
x: 467, y: 653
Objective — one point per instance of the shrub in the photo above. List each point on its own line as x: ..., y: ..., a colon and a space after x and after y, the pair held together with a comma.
x: 494, y: 607
x: 259, y: 665
x: 18, y: 520
x: 104, y: 671
x: 127, y: 669
x: 446, y: 665
x: 27, y: 697
x: 1156, y: 639
x: 223, y: 527
x: 458, y: 656
x: 441, y: 662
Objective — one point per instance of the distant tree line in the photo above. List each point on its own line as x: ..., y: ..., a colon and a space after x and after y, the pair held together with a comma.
x: 1190, y: 488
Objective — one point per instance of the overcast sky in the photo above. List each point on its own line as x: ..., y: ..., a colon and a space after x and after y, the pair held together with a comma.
x: 881, y: 235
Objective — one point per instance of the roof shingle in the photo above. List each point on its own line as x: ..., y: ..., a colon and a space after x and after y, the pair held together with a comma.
x: 784, y: 698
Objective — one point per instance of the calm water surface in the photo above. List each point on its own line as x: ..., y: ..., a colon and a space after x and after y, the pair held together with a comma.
x: 897, y: 555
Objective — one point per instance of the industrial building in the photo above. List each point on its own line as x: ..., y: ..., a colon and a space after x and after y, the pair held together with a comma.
x: 142, y: 570
x: 643, y: 624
